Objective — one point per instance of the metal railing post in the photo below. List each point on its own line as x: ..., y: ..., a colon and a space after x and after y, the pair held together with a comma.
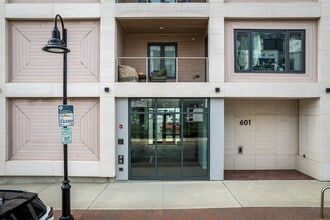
x: 322, y: 200
x: 147, y: 70
x: 176, y: 69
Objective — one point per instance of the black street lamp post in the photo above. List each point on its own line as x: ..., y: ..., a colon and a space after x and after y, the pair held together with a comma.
x: 57, y: 45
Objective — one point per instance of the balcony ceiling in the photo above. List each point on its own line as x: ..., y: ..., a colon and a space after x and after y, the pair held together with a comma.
x: 163, y: 26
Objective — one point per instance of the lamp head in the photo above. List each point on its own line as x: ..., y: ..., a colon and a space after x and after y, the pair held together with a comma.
x: 55, y: 44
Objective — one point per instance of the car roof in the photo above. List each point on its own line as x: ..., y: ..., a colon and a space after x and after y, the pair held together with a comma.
x: 13, y: 199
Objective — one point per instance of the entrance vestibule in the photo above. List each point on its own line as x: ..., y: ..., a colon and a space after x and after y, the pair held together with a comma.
x: 271, y: 134
x: 168, y: 139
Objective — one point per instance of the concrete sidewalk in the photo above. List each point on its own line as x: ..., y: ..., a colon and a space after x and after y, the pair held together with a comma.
x: 157, y: 195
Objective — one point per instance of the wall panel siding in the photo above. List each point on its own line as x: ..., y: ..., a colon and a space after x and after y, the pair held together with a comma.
x: 28, y: 63
x: 35, y: 134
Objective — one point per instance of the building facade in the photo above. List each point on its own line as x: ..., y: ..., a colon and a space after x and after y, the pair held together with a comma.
x: 167, y: 89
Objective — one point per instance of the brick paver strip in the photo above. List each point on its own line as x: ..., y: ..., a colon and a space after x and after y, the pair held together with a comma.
x: 202, y: 214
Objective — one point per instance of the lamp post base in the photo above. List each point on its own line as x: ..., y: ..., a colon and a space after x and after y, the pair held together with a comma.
x: 66, y: 215
x: 70, y: 217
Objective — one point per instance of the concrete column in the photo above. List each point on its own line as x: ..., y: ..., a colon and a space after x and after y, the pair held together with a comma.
x: 217, y: 139
x: 216, y: 44
x: 122, y: 142
x: 3, y: 74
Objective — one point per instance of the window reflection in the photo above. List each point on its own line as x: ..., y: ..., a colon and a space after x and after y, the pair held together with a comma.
x: 296, y: 51
x: 274, y: 51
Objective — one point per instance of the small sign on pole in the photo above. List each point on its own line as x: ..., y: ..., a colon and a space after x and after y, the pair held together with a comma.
x: 66, y: 135
x: 65, y: 115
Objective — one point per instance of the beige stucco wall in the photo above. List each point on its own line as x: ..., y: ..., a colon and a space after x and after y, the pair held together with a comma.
x: 308, y: 156
x: 324, y: 65
x: 267, y: 131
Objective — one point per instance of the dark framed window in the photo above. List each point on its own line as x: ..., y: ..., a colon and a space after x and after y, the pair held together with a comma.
x: 269, y: 51
x: 162, y: 56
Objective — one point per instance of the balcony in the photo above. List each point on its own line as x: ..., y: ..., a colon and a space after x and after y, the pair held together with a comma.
x: 162, y: 50
x: 162, y: 69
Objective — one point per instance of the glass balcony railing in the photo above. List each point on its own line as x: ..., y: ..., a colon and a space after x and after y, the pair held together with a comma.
x: 162, y: 69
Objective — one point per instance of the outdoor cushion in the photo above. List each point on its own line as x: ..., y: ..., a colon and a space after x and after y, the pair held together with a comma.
x: 127, y: 74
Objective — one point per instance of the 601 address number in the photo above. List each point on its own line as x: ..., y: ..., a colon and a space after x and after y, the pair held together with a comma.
x: 244, y: 122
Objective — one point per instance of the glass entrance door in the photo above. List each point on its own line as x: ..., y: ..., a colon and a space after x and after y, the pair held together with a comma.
x: 168, y: 145
x: 168, y: 139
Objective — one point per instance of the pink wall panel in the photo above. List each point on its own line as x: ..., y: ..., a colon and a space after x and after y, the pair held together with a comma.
x: 28, y: 63
x: 35, y: 134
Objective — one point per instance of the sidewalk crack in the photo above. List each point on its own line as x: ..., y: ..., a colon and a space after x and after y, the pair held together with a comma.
x: 98, y: 195
x: 237, y: 200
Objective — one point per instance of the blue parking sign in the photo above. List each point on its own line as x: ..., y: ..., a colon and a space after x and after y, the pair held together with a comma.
x: 65, y: 115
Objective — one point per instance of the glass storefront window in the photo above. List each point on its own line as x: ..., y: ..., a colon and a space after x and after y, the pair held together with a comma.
x: 168, y: 105
x: 142, y: 105
x: 169, y: 139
